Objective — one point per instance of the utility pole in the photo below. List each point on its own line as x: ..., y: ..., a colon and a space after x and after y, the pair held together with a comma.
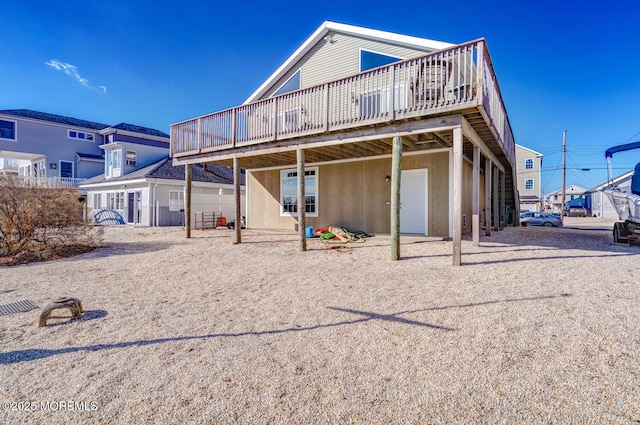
x: 564, y: 172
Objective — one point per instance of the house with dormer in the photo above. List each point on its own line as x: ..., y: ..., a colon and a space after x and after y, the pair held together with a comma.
x: 122, y: 168
x: 140, y: 185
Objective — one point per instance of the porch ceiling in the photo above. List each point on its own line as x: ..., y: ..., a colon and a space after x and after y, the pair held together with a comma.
x: 348, y: 151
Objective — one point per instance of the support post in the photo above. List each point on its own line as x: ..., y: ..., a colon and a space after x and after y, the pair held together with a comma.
x: 496, y: 206
x: 301, y: 200
x: 188, y: 172
x: 503, y: 198
x: 236, y: 195
x: 457, y: 196
x: 475, y: 207
x: 488, y: 170
x: 396, y: 171
x: 564, y: 173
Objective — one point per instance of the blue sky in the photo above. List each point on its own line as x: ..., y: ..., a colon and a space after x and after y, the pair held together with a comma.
x: 561, y: 65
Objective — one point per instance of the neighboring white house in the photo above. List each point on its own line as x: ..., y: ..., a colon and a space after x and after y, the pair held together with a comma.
x: 554, y: 199
x: 600, y: 203
x: 154, y: 195
x: 528, y: 170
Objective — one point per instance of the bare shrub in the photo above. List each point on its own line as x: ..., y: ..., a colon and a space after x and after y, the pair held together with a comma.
x: 41, y: 220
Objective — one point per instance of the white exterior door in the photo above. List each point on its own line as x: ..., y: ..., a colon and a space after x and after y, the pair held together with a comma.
x: 413, y: 202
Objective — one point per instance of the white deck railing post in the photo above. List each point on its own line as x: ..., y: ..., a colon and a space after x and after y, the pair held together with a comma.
x: 234, y: 120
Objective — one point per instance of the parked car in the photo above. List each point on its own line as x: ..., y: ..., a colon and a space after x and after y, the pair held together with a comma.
x: 540, y: 219
x: 577, y: 211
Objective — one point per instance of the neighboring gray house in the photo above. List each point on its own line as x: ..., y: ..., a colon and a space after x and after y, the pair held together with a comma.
x: 65, y: 150
x: 46, y: 147
x: 600, y: 203
x: 123, y: 167
x: 154, y: 195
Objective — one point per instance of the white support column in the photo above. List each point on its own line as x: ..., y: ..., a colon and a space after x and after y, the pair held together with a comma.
x: 488, y: 171
x: 396, y: 171
x: 301, y: 200
x: 457, y: 196
x: 236, y: 194
x: 475, y: 207
x: 188, y: 173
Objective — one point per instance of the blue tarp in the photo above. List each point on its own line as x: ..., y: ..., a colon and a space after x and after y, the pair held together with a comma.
x: 621, y: 148
x: 635, y: 180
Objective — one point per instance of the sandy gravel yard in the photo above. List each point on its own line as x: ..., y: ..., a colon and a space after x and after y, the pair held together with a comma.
x: 538, y: 325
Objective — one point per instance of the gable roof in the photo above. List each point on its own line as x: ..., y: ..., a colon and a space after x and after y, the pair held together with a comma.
x: 324, y: 29
x: 142, y: 130
x: 530, y: 150
x: 75, y: 122
x: 164, y: 169
x: 572, y: 187
x: 616, y: 181
x: 57, y: 119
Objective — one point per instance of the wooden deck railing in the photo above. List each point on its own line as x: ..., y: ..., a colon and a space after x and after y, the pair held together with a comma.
x: 442, y: 82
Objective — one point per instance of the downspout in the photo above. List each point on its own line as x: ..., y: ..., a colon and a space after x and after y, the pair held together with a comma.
x: 150, y: 213
x: 153, y: 206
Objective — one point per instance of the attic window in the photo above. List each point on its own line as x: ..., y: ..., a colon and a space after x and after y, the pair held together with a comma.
x: 80, y: 135
x: 370, y: 60
x: 292, y: 84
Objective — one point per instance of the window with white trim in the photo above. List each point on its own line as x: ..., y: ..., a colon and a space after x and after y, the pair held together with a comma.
x: 176, y: 200
x: 370, y: 60
x: 113, y: 163
x: 7, y: 130
x: 97, y: 200
x: 80, y: 135
x: 131, y: 158
x: 292, y: 84
x: 376, y: 102
x: 66, y: 169
x: 528, y: 184
x: 289, y: 192
x: 115, y: 200
x: 528, y: 164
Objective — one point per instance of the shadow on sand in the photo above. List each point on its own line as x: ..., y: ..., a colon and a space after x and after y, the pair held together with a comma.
x: 365, y: 316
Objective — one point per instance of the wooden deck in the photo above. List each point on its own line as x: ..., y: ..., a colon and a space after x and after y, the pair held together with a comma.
x: 422, y: 99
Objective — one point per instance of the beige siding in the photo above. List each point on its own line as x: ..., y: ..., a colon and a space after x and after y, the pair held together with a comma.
x: 355, y: 194
x: 333, y: 61
x: 523, y: 174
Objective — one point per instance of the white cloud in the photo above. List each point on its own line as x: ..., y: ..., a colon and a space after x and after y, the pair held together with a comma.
x: 72, y: 71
